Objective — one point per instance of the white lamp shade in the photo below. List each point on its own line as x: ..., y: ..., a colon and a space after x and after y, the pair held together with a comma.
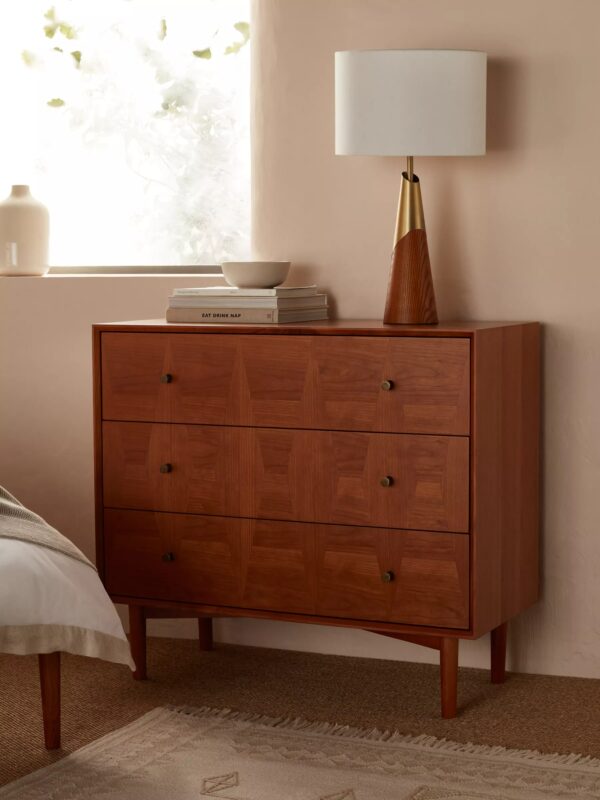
x: 410, y: 102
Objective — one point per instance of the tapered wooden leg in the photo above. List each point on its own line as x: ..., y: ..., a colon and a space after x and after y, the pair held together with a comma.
x: 137, y: 640
x: 49, y: 664
x: 498, y: 653
x: 449, y: 675
x: 205, y: 634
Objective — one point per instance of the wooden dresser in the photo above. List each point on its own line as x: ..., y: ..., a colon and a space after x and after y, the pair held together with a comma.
x: 339, y: 473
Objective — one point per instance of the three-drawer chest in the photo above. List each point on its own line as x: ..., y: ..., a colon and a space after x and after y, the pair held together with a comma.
x: 341, y: 473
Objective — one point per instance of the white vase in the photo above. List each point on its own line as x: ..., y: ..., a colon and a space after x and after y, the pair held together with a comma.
x: 24, y: 234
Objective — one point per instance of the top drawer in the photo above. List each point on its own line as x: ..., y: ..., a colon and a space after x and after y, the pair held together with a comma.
x: 395, y: 384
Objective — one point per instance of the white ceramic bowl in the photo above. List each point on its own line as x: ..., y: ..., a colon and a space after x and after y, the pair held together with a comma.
x: 255, y: 274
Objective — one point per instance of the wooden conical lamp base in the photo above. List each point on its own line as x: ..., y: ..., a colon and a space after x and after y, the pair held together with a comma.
x: 410, y: 296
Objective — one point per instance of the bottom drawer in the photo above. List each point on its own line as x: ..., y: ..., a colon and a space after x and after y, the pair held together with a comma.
x: 411, y: 577
x: 212, y: 560
x: 172, y: 557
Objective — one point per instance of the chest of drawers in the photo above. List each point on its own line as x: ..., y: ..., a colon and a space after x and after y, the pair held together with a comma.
x: 341, y: 473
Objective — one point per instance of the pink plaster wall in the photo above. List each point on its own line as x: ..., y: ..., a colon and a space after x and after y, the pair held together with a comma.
x: 512, y: 235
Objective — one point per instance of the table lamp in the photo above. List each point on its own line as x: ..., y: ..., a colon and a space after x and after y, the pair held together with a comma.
x: 410, y: 103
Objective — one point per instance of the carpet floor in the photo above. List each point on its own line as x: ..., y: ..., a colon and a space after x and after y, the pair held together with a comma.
x: 550, y: 714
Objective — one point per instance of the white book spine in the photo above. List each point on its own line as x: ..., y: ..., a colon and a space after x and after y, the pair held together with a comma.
x: 233, y: 291
x: 243, y: 315
x: 297, y: 303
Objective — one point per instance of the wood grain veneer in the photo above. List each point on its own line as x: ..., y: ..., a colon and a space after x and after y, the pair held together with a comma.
x: 430, y: 391
x: 274, y: 441
x: 429, y: 571
x: 498, y: 653
x: 448, y: 675
x: 332, y: 327
x: 137, y: 640
x: 309, y: 476
x: 49, y: 668
x: 505, y: 474
x: 410, y: 295
x: 206, y: 565
x: 302, y: 383
x: 294, y: 567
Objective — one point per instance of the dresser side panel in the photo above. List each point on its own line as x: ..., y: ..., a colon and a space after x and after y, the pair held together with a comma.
x: 97, y: 422
x: 505, y: 474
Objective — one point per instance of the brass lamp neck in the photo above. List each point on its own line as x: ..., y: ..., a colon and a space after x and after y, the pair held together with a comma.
x: 410, y: 204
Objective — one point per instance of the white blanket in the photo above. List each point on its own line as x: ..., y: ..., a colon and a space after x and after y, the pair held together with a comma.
x: 19, y: 522
x: 52, y: 602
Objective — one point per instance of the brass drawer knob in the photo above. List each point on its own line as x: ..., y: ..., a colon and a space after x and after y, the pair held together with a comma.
x: 388, y: 576
x: 166, y: 468
x: 168, y: 557
x: 387, y: 386
x: 166, y: 378
x: 386, y: 481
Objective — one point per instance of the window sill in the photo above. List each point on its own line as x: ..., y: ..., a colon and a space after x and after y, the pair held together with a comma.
x: 204, y: 270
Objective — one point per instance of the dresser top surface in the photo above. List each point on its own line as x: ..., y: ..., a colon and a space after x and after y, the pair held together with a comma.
x: 342, y: 327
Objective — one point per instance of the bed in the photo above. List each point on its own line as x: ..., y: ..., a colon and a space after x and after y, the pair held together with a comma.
x: 51, y: 601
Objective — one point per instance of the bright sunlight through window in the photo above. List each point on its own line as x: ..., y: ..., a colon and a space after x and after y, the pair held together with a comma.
x: 130, y: 121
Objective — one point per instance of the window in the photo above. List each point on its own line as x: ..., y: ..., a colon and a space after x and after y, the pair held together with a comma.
x: 130, y: 121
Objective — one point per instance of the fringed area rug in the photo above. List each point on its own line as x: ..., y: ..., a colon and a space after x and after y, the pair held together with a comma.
x: 191, y: 754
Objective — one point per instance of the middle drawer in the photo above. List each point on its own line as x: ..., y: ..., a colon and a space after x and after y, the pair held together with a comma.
x: 385, y: 480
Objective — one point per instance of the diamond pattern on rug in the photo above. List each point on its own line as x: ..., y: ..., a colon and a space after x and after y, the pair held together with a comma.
x: 433, y: 793
x: 212, y: 787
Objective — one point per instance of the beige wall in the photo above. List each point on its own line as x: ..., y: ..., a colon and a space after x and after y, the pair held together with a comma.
x: 46, y: 442
x: 512, y: 235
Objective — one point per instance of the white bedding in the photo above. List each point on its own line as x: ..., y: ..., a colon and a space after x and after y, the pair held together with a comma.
x: 51, y: 602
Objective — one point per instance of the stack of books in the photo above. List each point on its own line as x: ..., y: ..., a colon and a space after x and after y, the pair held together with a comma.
x: 228, y: 304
